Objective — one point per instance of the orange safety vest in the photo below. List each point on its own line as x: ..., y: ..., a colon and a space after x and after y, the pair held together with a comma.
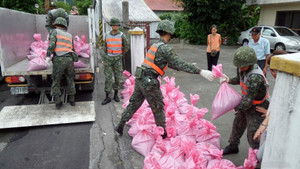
x: 114, y: 44
x: 244, y: 88
x: 64, y: 43
x: 149, y: 59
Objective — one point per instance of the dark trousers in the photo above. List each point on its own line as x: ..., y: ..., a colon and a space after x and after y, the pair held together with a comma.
x: 261, y: 64
x: 243, y: 120
x: 146, y: 88
x: 212, y: 60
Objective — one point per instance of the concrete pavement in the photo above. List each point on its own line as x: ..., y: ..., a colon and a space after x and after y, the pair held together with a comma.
x: 108, y: 150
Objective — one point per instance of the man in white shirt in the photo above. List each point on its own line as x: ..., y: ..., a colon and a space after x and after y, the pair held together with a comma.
x: 261, y: 47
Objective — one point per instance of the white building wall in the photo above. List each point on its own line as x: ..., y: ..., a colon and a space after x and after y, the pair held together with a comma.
x: 263, y: 2
x: 283, y: 137
x: 268, y: 12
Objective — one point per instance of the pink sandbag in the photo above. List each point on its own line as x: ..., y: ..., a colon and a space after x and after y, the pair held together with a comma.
x: 37, y: 63
x: 251, y: 161
x: 220, y: 164
x: 141, y: 121
x: 151, y: 161
x: 189, y: 128
x: 145, y: 139
x: 207, y: 133
x: 226, y: 99
x: 164, y: 148
x: 209, y: 151
x: 82, y: 48
x: 79, y: 64
x: 195, y: 161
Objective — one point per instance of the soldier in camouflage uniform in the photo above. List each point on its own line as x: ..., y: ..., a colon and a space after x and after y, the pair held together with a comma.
x: 254, y: 88
x: 62, y: 47
x: 159, y: 57
x: 116, y: 45
x: 52, y: 15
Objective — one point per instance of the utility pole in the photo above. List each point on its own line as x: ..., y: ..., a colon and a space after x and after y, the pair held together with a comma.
x: 47, y: 5
x: 125, y: 15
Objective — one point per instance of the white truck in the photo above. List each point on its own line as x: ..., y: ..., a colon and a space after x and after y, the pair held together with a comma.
x: 16, y: 35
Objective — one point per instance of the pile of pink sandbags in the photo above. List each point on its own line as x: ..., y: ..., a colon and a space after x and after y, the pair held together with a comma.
x: 81, y: 47
x: 192, y: 142
x: 37, y: 56
x: 38, y: 52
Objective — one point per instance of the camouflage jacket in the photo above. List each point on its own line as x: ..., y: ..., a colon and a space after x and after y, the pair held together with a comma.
x: 256, y: 89
x: 125, y: 45
x: 50, y: 18
x: 165, y: 56
x: 52, y: 45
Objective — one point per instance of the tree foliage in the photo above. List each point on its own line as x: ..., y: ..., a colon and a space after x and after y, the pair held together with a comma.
x: 22, y: 5
x: 83, y: 5
x: 231, y: 17
x: 66, y: 6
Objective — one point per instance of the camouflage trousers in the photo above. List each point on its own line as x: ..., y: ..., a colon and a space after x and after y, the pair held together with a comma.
x: 113, y: 66
x: 250, y: 120
x: 62, y: 66
x: 146, y: 88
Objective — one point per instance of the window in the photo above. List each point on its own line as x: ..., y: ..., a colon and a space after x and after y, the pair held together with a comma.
x: 267, y: 31
x: 289, y: 19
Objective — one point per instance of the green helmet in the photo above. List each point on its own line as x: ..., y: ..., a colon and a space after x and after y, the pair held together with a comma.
x: 59, y: 12
x: 114, y: 22
x: 244, y: 56
x: 166, y: 26
x: 61, y: 21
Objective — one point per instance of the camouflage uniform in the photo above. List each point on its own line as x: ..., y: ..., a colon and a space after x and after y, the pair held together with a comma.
x: 113, y: 65
x: 52, y: 15
x: 147, y: 85
x: 246, y: 114
x: 62, y: 65
x: 116, y: 45
x: 159, y: 57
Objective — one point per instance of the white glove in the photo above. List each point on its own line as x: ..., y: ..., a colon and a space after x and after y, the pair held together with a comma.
x: 207, y: 75
x: 48, y: 61
x: 224, y: 78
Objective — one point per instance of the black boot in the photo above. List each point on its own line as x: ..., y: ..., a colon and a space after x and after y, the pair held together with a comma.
x: 120, y: 127
x: 58, y: 105
x: 106, y: 100
x: 72, y: 100
x: 116, y: 98
x: 58, y: 102
x: 164, y: 136
x: 231, y: 149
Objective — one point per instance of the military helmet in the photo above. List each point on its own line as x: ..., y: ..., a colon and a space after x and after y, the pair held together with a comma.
x: 114, y: 22
x: 165, y: 25
x: 61, y: 21
x: 244, y: 56
x: 59, y: 12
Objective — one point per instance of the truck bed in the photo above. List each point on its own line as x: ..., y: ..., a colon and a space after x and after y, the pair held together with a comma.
x: 20, y: 68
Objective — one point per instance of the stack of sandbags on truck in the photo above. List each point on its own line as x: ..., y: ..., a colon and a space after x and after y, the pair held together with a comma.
x: 192, y: 142
x: 82, y: 49
x: 38, y: 52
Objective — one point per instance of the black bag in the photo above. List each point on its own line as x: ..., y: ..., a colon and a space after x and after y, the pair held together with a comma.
x: 213, y: 53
